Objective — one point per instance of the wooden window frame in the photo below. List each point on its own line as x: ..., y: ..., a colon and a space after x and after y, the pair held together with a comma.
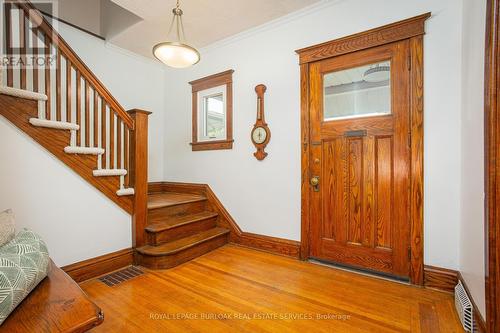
x: 412, y: 29
x: 209, y: 82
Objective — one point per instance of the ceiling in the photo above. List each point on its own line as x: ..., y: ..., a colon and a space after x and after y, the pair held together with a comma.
x: 205, y: 21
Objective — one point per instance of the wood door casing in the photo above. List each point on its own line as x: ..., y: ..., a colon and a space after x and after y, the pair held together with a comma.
x: 413, y: 30
x: 360, y: 216
x: 492, y: 165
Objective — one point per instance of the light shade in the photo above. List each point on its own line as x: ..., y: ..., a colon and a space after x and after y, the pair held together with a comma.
x: 176, y: 54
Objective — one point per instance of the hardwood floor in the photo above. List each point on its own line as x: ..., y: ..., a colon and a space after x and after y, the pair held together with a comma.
x: 234, y: 289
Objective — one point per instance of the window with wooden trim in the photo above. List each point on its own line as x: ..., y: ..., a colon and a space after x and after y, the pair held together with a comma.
x: 213, y: 112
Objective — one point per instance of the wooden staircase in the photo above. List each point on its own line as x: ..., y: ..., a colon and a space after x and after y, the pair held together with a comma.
x: 63, y: 106
x: 68, y: 111
x: 180, y: 227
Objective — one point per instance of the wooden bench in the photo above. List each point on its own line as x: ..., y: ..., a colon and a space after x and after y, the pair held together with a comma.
x: 57, y: 304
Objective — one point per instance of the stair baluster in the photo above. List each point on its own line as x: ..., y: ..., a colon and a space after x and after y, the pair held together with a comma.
x: 71, y: 98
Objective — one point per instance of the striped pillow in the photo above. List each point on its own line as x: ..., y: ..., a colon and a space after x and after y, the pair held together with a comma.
x: 7, y: 227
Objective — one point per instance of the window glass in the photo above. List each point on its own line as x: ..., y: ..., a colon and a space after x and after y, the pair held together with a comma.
x: 215, y: 117
x: 357, y: 92
x: 212, y: 114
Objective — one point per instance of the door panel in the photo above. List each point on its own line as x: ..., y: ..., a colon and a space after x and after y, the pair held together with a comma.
x: 360, y: 151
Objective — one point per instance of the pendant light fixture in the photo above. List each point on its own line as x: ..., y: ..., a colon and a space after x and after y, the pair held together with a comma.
x: 176, y: 54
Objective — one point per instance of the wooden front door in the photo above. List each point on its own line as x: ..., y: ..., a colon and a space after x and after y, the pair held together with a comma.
x: 359, y: 163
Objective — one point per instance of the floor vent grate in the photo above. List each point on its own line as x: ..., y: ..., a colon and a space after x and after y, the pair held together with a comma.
x: 120, y: 276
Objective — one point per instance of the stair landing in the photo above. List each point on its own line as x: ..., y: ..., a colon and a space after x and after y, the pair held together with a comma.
x: 168, y: 199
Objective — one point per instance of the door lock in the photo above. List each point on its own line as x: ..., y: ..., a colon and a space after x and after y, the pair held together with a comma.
x: 315, y: 183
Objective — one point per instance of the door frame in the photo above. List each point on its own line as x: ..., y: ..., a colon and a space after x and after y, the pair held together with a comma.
x: 411, y: 29
x: 492, y: 165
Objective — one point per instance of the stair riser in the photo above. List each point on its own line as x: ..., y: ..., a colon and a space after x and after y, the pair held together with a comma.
x: 169, y: 261
x: 186, y: 230
x: 160, y: 214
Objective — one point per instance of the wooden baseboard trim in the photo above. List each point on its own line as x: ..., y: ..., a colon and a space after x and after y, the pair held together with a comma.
x: 480, y: 323
x: 440, y: 278
x: 281, y: 246
x: 270, y: 244
x: 445, y: 280
x: 94, y: 267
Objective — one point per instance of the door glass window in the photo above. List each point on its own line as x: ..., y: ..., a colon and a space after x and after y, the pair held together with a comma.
x: 357, y: 92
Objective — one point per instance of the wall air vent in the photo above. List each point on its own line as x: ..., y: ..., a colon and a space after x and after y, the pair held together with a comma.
x: 464, y: 307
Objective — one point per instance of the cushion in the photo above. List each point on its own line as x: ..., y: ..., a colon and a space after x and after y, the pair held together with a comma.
x: 24, y: 262
x: 7, y: 227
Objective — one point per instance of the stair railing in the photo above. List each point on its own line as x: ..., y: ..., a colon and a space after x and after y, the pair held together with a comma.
x: 75, y: 95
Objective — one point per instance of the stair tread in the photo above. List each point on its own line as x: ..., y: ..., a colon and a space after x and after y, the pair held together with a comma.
x: 167, y: 199
x: 183, y: 243
x: 173, y: 222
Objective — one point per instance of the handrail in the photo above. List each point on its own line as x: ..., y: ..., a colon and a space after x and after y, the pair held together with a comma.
x: 99, y: 124
x: 34, y: 15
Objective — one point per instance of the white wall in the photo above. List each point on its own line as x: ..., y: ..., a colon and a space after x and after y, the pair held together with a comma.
x: 266, y: 55
x: 76, y: 220
x: 471, y: 243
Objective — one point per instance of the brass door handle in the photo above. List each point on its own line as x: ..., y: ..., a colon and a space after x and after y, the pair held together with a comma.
x: 315, y: 183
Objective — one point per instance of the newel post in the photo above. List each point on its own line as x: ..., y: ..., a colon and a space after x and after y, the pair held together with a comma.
x: 139, y: 174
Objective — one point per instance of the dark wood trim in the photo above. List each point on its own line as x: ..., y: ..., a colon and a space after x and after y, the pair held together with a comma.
x: 492, y: 165
x: 386, y: 34
x: 266, y: 243
x: 481, y: 324
x: 212, y: 145
x: 417, y: 160
x: 445, y: 280
x: 413, y: 30
x: 284, y: 247
x: 440, y: 278
x: 211, y: 81
x: 91, y: 268
x: 219, y: 79
x: 274, y: 245
x: 139, y: 175
x: 305, y: 176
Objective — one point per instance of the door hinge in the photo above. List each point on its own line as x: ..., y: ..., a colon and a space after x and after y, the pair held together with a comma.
x: 409, y: 62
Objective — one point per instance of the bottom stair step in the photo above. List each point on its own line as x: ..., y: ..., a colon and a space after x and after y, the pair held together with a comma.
x: 179, y: 251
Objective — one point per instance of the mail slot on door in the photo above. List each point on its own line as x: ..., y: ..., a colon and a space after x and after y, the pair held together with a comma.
x: 355, y: 133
